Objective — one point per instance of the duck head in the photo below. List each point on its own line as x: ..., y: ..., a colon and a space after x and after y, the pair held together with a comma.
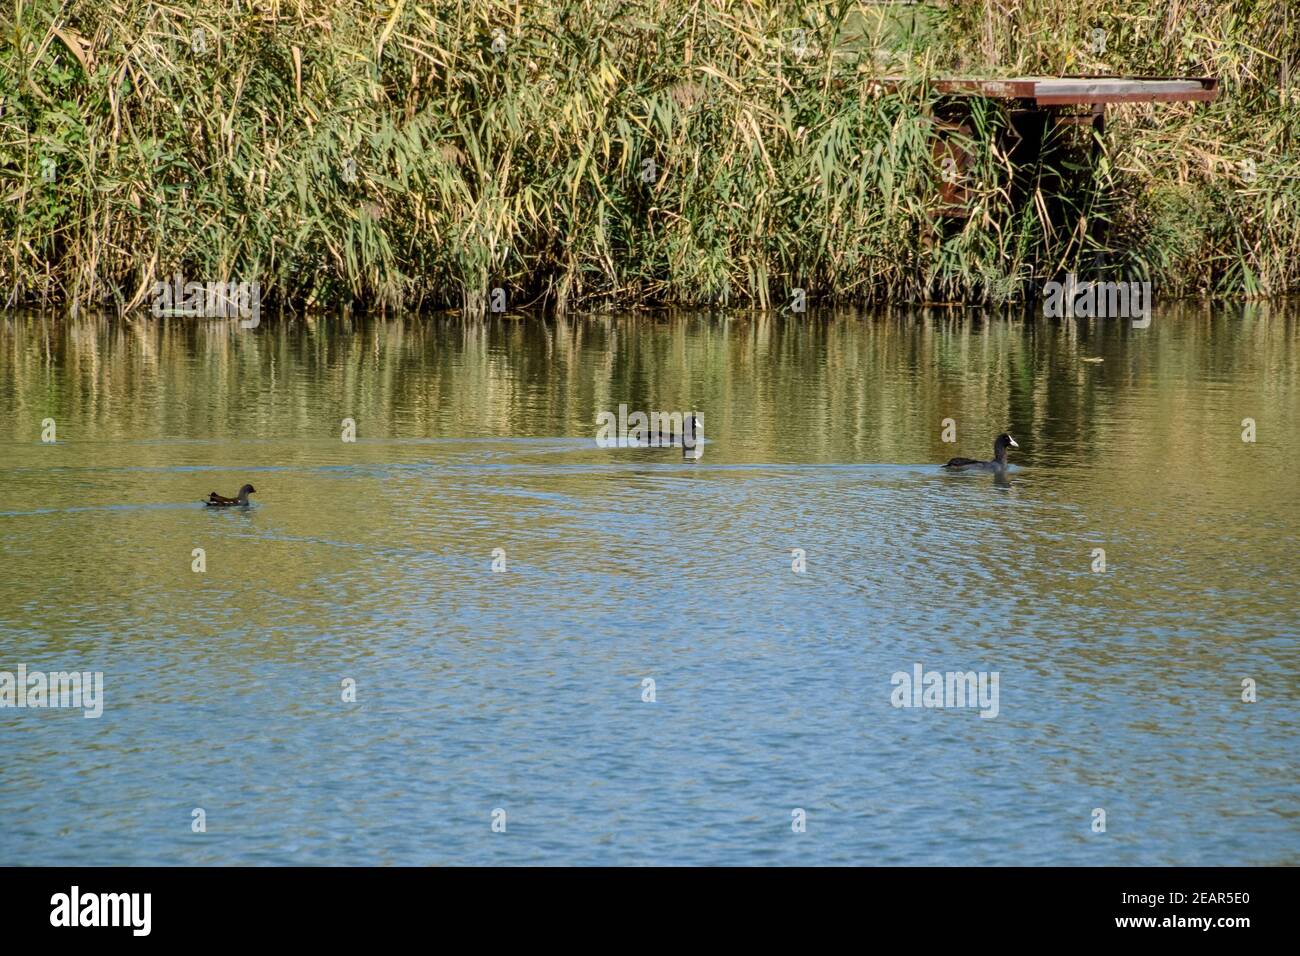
x: 691, y: 435
x: 245, y: 491
x: 1000, y: 446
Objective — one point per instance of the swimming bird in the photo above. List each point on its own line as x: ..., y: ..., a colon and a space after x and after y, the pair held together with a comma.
x: 999, y: 462
x: 690, y: 427
x: 221, y: 501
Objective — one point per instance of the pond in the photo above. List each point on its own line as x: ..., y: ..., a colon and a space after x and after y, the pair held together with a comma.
x: 472, y: 635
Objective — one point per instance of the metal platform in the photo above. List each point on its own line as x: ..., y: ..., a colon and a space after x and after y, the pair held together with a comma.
x: 1036, y: 107
x: 1079, y: 90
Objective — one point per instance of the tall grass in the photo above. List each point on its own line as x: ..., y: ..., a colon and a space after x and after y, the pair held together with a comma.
x: 611, y: 153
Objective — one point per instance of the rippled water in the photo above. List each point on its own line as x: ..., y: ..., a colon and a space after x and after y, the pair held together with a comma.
x: 523, y: 690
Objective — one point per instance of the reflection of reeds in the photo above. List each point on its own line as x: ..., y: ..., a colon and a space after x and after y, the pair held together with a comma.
x: 633, y: 152
x: 859, y: 391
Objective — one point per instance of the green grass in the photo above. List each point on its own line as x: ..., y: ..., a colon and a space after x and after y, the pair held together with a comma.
x: 619, y: 154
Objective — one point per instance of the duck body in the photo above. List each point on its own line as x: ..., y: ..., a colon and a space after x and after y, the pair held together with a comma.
x: 670, y: 439
x: 998, y: 462
x: 971, y: 464
x: 215, y: 500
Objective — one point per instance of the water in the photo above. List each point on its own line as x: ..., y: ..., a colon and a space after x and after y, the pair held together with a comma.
x: 523, y: 690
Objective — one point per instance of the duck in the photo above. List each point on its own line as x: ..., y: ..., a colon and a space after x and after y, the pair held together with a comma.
x: 999, y: 462
x: 661, y: 440
x: 221, y: 501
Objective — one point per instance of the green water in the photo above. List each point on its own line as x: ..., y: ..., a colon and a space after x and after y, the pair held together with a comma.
x: 524, y: 690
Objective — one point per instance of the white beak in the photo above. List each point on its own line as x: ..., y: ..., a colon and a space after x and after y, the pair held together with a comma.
x: 1013, y: 442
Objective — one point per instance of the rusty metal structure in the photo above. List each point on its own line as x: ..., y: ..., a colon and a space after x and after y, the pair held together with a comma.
x: 1039, y: 107
x: 1043, y: 91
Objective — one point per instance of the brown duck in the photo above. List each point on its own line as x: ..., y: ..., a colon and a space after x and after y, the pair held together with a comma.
x: 221, y: 501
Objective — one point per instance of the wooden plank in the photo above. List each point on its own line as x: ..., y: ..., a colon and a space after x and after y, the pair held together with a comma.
x: 1014, y: 89
x: 1077, y: 90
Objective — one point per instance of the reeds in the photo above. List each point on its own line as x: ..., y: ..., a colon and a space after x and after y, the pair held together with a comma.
x: 615, y: 154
